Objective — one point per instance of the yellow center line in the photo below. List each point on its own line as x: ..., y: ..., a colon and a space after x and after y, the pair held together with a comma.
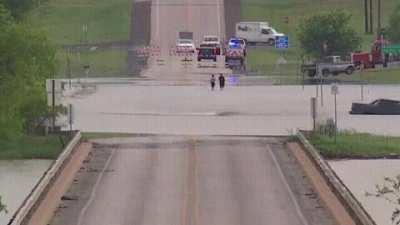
x: 189, y: 210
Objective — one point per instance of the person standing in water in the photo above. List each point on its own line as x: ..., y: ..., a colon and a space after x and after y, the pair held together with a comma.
x: 221, y: 79
x: 212, y: 82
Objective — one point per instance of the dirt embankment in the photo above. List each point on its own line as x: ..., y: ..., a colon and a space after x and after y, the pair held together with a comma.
x: 140, y: 34
x: 141, y: 23
x: 232, y: 16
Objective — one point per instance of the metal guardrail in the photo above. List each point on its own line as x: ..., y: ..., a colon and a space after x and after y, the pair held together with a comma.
x: 356, y: 211
x: 30, y: 201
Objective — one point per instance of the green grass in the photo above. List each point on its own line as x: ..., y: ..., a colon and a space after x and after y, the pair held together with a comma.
x: 31, y: 147
x: 106, y: 21
x: 356, y: 145
x: 102, y: 63
x: 265, y: 62
x: 386, y: 76
x: 105, y: 135
x: 275, y: 11
x: 63, y: 20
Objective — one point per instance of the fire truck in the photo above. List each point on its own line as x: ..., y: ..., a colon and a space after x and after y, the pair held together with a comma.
x: 381, y: 53
x: 235, y: 59
x: 235, y: 55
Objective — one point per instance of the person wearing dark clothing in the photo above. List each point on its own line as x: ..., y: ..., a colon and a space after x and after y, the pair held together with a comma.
x: 221, y: 79
x: 212, y: 82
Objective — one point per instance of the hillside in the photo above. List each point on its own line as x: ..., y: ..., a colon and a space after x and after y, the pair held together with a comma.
x: 276, y: 11
x: 105, y: 21
x: 63, y: 20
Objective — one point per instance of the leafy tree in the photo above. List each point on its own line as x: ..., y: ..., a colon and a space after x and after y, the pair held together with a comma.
x: 393, y: 30
x: 2, y: 207
x: 328, y: 33
x: 26, y: 59
x: 390, y: 191
x: 19, y: 8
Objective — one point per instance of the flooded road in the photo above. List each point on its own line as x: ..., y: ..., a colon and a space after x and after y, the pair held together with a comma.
x: 17, y: 178
x: 238, y: 110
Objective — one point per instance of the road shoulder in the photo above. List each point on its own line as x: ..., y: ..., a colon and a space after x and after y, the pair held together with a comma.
x: 46, y: 208
x: 319, y: 184
x: 308, y: 198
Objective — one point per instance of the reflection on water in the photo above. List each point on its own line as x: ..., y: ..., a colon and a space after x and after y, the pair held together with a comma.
x: 361, y: 176
x: 17, y: 178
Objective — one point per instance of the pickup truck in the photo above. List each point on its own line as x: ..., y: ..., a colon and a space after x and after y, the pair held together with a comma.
x: 235, y: 58
x: 207, y: 53
x: 330, y: 65
x: 212, y: 42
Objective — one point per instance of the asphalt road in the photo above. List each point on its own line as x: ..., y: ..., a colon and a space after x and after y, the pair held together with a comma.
x: 186, y: 180
x: 169, y: 17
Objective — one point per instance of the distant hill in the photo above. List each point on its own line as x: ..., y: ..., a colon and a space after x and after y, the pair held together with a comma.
x: 275, y: 11
x: 64, y: 20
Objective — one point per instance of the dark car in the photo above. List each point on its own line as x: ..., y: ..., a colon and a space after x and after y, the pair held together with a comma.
x: 207, y: 53
x: 377, y: 107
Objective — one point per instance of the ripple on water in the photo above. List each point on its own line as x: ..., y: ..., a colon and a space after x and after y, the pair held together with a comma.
x: 17, y: 178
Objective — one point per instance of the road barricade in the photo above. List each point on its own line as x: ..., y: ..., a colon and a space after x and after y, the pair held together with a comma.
x: 148, y: 51
x: 182, y: 51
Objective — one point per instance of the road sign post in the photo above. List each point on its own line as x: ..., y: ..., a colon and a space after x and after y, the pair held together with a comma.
x: 70, y: 117
x: 282, y: 42
x: 335, y: 92
x: 314, y: 111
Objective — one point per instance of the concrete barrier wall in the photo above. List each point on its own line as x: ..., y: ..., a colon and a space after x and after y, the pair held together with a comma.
x: 355, y: 209
x: 40, y: 189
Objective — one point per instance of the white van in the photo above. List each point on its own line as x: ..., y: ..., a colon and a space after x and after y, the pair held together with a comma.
x: 257, y: 32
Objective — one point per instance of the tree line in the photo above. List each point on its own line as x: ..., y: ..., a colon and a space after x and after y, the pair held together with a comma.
x: 328, y: 33
x: 27, y: 59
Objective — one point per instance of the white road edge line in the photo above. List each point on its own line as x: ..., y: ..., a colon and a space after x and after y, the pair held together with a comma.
x: 93, y: 194
x: 292, y: 197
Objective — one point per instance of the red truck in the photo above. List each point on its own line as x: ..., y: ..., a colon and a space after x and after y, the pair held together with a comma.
x: 369, y: 59
x: 381, y: 53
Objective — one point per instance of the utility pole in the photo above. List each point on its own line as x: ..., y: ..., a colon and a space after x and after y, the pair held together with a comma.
x: 69, y: 73
x: 366, y: 16
x: 371, y: 16
x: 53, y: 105
x: 379, y: 17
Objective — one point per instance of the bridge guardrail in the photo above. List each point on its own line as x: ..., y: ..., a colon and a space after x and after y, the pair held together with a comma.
x: 30, y: 201
x: 355, y: 209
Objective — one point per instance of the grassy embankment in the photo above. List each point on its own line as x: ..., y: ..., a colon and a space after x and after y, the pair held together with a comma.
x: 31, y: 147
x: 356, y: 145
x: 106, y: 21
x: 275, y: 11
x: 100, y: 135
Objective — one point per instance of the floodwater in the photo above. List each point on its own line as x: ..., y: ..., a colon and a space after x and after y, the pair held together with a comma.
x: 238, y: 110
x: 17, y: 178
x: 361, y: 176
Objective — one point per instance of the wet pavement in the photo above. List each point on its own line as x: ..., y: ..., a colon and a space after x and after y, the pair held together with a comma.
x: 17, y: 179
